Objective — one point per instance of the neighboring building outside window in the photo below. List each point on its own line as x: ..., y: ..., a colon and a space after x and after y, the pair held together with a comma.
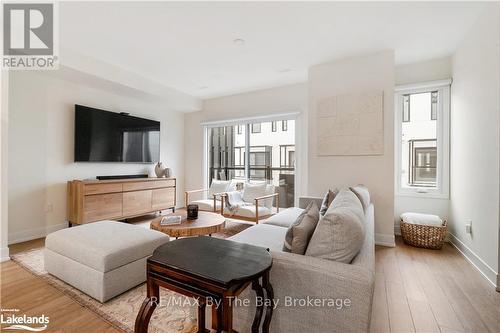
x: 434, y: 105
x: 406, y: 108
x: 423, y: 139
x: 265, y: 155
x: 256, y: 128
x: 284, y: 125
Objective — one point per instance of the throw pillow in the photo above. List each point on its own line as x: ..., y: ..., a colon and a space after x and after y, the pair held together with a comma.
x: 339, y: 234
x: 327, y: 200
x: 252, y: 191
x: 363, y: 195
x: 300, y: 232
x: 217, y: 186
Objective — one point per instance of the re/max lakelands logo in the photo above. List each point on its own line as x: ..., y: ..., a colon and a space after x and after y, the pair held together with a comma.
x: 24, y: 322
x: 29, y: 36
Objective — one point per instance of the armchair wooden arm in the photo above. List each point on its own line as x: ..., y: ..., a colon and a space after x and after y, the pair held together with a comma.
x: 223, y: 196
x: 187, y: 193
x: 277, y: 195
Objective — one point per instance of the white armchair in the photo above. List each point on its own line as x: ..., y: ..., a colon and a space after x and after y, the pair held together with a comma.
x: 210, y: 197
x: 258, y: 203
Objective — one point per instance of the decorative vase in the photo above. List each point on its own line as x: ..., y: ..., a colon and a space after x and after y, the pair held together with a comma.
x: 159, y: 170
x: 168, y: 172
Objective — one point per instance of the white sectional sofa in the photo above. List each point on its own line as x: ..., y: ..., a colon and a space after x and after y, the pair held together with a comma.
x: 299, y: 278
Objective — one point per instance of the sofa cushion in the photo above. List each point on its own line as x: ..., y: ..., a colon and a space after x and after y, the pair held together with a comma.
x: 300, y: 232
x: 339, y: 234
x: 217, y: 186
x: 268, y: 236
x: 268, y: 202
x: 363, y: 195
x: 105, y: 245
x: 252, y: 191
x: 207, y: 204
x: 285, y: 217
x: 327, y: 201
x: 248, y: 211
x: 349, y: 200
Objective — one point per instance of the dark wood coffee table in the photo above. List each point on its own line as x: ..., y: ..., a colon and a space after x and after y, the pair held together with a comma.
x: 207, y: 223
x: 209, y: 269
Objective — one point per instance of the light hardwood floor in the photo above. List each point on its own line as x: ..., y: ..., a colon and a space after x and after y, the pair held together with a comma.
x: 415, y: 291
x: 419, y: 290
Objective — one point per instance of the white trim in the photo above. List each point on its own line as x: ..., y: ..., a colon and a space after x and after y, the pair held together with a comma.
x: 423, y: 85
x: 27, y: 235
x: 385, y: 240
x: 4, y: 254
x: 250, y: 120
x: 488, y: 272
x: 442, y: 191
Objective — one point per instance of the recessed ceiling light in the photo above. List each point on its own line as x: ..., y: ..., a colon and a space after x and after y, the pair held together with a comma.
x: 239, y: 41
x: 284, y: 70
x: 203, y: 87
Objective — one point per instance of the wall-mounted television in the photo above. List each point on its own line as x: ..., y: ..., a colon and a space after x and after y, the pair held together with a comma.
x: 103, y: 136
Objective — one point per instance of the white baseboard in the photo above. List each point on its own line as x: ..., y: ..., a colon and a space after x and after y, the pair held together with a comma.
x: 4, y: 254
x: 27, y: 235
x: 475, y: 260
x: 385, y: 240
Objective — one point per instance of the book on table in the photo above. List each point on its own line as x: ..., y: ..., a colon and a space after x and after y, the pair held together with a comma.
x: 171, y: 220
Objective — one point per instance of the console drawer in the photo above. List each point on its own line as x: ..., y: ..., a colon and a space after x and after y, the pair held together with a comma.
x: 136, y: 202
x: 91, y: 189
x: 146, y: 185
x: 163, y: 198
x: 102, y: 206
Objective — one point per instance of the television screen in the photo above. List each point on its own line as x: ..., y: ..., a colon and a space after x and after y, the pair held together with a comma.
x: 103, y: 136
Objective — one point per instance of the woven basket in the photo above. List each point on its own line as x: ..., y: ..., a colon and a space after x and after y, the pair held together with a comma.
x: 426, y: 236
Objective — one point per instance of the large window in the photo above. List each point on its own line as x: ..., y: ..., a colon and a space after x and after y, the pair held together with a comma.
x: 255, y: 152
x: 422, y: 139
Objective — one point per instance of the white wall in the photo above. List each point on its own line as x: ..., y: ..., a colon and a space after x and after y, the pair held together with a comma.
x: 354, y: 75
x: 292, y: 98
x: 4, y: 107
x: 430, y: 70
x: 475, y: 143
x: 41, y: 134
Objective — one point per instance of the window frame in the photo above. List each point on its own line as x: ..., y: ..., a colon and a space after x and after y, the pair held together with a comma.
x: 442, y: 134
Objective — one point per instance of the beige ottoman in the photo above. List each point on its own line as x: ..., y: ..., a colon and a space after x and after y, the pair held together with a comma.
x: 102, y: 259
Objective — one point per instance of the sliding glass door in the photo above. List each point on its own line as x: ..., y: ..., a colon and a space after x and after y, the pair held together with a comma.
x: 255, y: 151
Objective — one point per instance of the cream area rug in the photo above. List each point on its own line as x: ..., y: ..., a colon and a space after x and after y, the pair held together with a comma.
x: 176, y: 313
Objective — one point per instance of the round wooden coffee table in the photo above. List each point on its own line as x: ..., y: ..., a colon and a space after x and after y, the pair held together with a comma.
x: 207, y: 223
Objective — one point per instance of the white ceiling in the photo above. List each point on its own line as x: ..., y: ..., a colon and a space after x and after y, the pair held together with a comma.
x: 189, y: 46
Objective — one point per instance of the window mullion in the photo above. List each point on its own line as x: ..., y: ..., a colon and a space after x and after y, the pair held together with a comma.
x: 247, y: 152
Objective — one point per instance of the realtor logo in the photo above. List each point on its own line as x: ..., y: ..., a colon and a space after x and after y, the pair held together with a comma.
x: 28, y: 36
